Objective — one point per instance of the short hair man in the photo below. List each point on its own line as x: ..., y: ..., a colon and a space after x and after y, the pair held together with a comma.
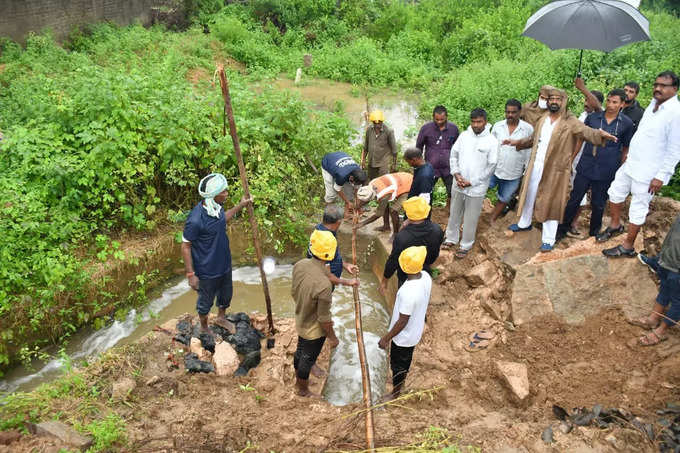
x: 391, y: 191
x: 205, y: 248
x: 381, y: 151
x: 545, y: 188
x: 473, y: 159
x: 423, y: 174
x: 632, y: 108
x: 511, y: 161
x: 311, y: 291
x: 597, y: 165
x: 654, y: 153
x: 408, y: 317
x: 420, y: 230
x: 331, y: 221
x: 666, y: 311
x: 340, y: 170
x: 436, y: 139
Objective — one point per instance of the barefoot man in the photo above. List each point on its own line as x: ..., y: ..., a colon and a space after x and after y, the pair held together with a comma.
x: 408, y: 317
x: 205, y: 248
x: 311, y: 291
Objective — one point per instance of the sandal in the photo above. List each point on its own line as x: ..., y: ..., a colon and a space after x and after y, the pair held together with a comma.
x: 619, y: 251
x: 651, y: 339
x: 475, y: 346
x: 609, y: 233
x: 448, y: 245
x: 482, y: 335
x: 461, y: 253
x: 645, y: 323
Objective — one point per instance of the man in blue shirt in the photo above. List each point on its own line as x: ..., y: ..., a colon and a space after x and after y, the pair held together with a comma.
x: 338, y: 169
x: 598, y: 164
x: 332, y: 219
x: 423, y: 175
x: 205, y: 248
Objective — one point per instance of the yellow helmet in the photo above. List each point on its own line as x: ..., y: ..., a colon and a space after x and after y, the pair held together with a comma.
x: 411, y: 260
x: 416, y: 208
x: 322, y: 244
x: 376, y: 116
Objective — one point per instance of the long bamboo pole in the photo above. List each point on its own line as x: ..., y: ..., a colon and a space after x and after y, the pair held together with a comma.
x: 365, y: 375
x: 229, y: 115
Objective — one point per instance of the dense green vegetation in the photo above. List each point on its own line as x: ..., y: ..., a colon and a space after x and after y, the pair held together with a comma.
x: 111, y: 131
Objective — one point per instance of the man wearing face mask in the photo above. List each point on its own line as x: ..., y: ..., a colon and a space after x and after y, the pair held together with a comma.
x: 534, y: 111
x: 545, y: 188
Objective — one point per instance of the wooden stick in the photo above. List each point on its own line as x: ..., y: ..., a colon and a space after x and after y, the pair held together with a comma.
x: 229, y: 114
x: 365, y: 375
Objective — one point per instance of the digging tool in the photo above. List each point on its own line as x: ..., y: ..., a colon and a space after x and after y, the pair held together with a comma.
x: 229, y: 115
x: 365, y: 375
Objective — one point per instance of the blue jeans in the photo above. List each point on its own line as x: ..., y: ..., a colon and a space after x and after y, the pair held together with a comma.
x: 669, y: 291
x: 211, y: 288
x: 506, y: 187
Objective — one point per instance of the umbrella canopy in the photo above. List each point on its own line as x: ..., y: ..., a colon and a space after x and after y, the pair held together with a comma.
x: 587, y: 24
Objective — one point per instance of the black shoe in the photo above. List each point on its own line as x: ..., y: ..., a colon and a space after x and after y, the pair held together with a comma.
x: 609, y: 233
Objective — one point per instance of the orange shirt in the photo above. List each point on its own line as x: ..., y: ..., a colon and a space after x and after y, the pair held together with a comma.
x: 392, y: 185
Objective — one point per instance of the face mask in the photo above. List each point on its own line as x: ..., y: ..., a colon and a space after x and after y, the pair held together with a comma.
x: 542, y: 103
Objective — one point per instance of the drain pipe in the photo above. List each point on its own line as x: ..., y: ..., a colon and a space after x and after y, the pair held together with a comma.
x: 229, y: 114
x: 365, y: 376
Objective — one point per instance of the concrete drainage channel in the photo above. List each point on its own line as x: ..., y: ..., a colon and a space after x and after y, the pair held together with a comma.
x: 343, y: 385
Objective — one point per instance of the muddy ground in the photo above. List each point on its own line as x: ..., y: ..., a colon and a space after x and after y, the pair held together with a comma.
x: 581, y: 365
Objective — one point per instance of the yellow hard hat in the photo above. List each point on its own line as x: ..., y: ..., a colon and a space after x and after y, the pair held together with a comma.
x: 322, y: 244
x: 411, y: 260
x: 376, y: 116
x: 416, y: 208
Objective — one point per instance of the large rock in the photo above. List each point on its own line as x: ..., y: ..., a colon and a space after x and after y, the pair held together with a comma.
x: 515, y: 376
x: 64, y: 433
x: 197, y: 348
x: 579, y: 282
x: 225, y: 359
x: 483, y: 274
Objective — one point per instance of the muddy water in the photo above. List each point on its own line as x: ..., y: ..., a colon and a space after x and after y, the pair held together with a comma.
x: 344, y: 382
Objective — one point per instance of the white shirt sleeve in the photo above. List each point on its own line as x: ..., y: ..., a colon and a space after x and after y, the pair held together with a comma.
x: 454, y: 159
x: 672, y: 155
x: 407, y: 303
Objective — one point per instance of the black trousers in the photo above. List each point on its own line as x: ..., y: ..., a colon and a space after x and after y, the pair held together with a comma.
x: 400, y: 362
x: 306, y: 354
x: 598, y: 202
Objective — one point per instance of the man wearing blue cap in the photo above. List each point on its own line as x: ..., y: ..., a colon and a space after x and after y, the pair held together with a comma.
x: 205, y: 248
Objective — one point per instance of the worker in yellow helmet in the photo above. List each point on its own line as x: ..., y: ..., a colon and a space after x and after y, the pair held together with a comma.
x: 379, y: 155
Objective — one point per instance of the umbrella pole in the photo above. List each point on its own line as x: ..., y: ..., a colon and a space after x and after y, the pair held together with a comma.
x: 229, y: 114
x: 365, y: 377
x: 580, y: 60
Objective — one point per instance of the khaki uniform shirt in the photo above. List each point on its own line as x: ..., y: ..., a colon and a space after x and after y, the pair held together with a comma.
x: 311, y: 291
x: 382, y: 148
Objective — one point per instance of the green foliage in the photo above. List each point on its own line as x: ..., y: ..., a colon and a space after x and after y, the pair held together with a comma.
x: 106, y: 432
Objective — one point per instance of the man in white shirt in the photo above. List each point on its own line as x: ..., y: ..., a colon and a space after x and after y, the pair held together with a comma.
x: 652, y: 156
x: 473, y: 159
x: 408, y: 318
x: 511, y: 161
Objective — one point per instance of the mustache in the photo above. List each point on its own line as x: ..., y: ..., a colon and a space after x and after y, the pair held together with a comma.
x: 657, y: 92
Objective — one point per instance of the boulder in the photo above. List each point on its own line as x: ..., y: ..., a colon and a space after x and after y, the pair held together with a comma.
x: 225, y: 359
x: 483, y: 274
x: 122, y: 388
x: 196, y: 347
x: 515, y: 376
x: 64, y: 433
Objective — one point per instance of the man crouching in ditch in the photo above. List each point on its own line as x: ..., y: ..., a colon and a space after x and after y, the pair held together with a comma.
x: 311, y: 291
x: 205, y: 248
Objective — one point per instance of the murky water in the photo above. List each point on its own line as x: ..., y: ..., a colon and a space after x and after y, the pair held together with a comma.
x: 344, y: 382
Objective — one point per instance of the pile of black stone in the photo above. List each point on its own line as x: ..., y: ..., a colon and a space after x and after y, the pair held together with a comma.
x: 238, y: 332
x: 665, y: 432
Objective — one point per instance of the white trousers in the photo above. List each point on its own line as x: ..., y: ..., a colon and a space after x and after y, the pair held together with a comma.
x: 639, y: 192
x: 549, y: 226
x: 466, y: 209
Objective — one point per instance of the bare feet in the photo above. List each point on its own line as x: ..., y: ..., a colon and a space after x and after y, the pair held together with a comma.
x: 317, y: 371
x: 383, y: 228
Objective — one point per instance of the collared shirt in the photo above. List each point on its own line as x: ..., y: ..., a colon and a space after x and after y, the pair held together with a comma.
x: 437, y: 144
x: 340, y: 165
x: 210, y: 253
x: 474, y: 157
x: 311, y: 291
x: 336, y: 262
x: 606, y: 160
x: 655, y: 147
x: 634, y: 112
x: 423, y: 182
x: 381, y: 147
x: 511, y: 161
x: 669, y: 257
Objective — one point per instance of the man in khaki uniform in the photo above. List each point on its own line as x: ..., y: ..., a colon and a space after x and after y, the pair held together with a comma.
x: 546, y: 185
x: 381, y: 151
x: 311, y: 291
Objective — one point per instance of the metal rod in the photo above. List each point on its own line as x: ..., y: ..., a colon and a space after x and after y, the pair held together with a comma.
x: 365, y: 375
x: 229, y: 114
x: 580, y: 60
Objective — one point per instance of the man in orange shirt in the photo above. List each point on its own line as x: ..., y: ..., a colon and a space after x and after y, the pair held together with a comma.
x: 391, y: 190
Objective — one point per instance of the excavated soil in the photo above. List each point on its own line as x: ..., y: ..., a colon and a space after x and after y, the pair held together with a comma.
x: 569, y: 365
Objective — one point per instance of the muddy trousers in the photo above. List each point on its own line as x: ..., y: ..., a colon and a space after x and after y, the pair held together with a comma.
x: 400, y: 362
x: 305, y: 355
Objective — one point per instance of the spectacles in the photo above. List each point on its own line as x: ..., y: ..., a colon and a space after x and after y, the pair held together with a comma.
x: 662, y: 85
